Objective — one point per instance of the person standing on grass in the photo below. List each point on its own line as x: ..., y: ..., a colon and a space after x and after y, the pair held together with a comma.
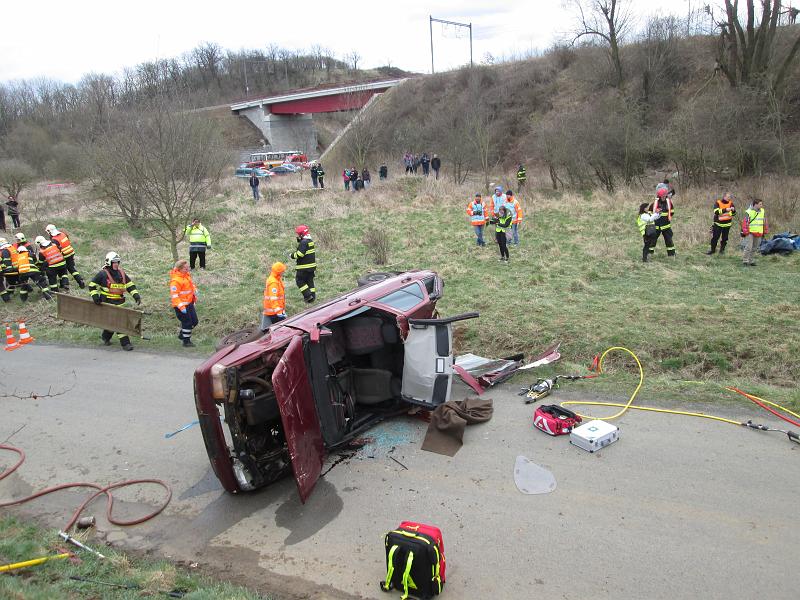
x: 502, y: 223
x: 274, y: 297
x: 13, y: 211
x: 346, y: 178
x: 353, y: 179
x: 366, y: 176
x: 754, y: 228
x: 436, y: 164
x: 477, y: 218
x: 199, y: 242
x: 515, y: 208
x: 425, y: 161
x: 647, y: 228
x: 2, y: 218
x: 724, y: 211
x: 314, y: 175
x: 522, y: 177
x: 321, y: 176
x: 383, y: 172
x: 183, y: 295
x: 663, y: 208
x: 306, y: 257
x: 496, y: 200
x: 253, y: 185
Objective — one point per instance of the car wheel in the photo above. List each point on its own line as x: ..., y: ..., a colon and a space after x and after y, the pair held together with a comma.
x: 248, y: 334
x: 376, y: 277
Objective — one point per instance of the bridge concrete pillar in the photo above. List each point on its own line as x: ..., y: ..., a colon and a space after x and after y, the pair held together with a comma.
x: 284, y: 132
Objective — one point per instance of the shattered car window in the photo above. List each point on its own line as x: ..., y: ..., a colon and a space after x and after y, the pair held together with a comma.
x: 404, y: 298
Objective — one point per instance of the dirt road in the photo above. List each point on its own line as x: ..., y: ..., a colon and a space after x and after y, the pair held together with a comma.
x: 678, y: 508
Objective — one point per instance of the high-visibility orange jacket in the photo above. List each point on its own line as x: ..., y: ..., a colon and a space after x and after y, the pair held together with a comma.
x: 516, y: 208
x: 52, y: 254
x: 274, y: 298
x: 477, y: 212
x: 62, y: 239
x: 23, y: 262
x: 182, y: 291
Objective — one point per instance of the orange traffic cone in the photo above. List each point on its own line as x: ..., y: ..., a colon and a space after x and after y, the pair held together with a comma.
x: 24, y: 336
x: 11, y: 343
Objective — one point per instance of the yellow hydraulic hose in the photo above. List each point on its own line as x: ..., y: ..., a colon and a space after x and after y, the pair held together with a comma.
x: 32, y: 562
x: 629, y: 404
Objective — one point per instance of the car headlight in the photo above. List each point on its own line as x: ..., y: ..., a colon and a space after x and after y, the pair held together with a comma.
x: 218, y: 382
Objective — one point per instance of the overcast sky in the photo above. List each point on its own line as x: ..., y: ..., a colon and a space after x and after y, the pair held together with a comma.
x: 64, y: 40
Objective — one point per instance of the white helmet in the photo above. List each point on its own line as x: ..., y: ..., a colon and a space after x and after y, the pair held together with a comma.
x: 40, y: 241
x: 22, y: 249
x: 51, y: 229
x: 112, y: 257
x: 4, y: 243
x: 20, y: 236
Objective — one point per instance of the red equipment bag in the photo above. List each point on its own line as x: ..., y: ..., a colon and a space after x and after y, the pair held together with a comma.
x: 555, y: 420
x: 415, y: 562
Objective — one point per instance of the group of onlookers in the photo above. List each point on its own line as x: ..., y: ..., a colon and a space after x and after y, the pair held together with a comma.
x: 412, y: 162
x: 355, y: 180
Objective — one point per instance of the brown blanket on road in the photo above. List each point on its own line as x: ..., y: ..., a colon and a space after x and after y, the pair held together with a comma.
x: 448, y: 421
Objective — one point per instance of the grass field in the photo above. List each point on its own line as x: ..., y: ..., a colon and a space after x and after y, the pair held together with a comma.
x: 20, y: 541
x: 695, y: 321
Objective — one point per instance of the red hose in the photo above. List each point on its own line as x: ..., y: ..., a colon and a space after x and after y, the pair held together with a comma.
x: 100, y: 490
x: 764, y: 406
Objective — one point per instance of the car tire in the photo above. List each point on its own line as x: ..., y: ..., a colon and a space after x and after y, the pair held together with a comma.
x: 248, y: 334
x: 376, y: 277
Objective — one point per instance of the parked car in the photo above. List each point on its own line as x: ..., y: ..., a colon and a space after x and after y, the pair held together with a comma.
x: 284, y: 169
x: 244, y: 170
x: 318, y: 379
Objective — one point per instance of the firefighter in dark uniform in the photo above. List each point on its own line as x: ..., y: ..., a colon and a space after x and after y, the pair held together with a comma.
x: 522, y: 177
x: 306, y: 258
x: 321, y: 176
x: 50, y: 253
x: 724, y: 211
x: 9, y: 275
x: 109, y: 286
x: 29, y: 269
x: 67, y: 251
x: 664, y: 208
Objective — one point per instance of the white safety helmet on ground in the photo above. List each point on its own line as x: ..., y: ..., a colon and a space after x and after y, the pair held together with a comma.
x: 20, y: 236
x: 40, y: 241
x: 51, y: 229
x: 112, y: 257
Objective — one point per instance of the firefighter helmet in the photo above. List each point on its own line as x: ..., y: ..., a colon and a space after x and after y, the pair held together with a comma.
x: 51, y: 229
x: 40, y: 241
x: 112, y: 257
x: 20, y: 236
x: 301, y: 230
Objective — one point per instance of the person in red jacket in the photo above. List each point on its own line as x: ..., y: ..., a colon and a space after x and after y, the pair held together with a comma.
x: 183, y: 296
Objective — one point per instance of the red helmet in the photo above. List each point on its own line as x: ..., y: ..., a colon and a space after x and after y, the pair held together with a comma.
x: 301, y: 230
x: 662, y: 192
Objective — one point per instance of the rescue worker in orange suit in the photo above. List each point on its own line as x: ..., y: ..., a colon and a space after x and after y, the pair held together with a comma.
x: 306, y: 258
x: 664, y: 208
x: 67, y: 251
x: 724, y: 211
x: 274, y: 297
x: 109, y: 286
x: 513, y: 205
x: 9, y: 265
x: 56, y: 269
x: 477, y: 217
x: 183, y: 295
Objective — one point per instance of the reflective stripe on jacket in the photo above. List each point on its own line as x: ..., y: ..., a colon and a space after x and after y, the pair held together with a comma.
x: 9, y: 259
x: 52, y: 255
x: 515, y: 208
x: 274, y: 296
x: 63, y: 242
x: 305, y: 255
x: 721, y: 217
x: 182, y: 291
x: 503, y: 223
x: 199, y: 237
x: 755, y: 222
x: 111, y: 286
x: 23, y: 262
x: 477, y: 212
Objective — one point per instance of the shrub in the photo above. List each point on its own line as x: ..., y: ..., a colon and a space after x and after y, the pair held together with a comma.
x: 376, y: 244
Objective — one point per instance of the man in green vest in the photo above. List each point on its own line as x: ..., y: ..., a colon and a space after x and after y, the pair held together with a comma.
x: 522, y: 177
x: 199, y: 242
x: 754, y: 227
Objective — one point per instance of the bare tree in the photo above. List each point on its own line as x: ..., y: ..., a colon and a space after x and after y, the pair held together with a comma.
x: 748, y: 50
x: 15, y: 176
x: 607, y: 20
x: 159, y: 164
x: 353, y: 58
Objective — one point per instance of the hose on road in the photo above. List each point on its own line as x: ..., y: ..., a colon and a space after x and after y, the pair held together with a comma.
x: 101, y: 490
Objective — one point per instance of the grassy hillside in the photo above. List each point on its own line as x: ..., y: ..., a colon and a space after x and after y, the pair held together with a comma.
x: 576, y: 277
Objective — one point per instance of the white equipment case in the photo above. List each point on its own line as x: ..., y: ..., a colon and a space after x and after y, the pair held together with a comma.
x: 594, y: 435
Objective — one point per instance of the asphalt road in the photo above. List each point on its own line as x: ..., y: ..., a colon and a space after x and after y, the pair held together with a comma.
x: 678, y: 508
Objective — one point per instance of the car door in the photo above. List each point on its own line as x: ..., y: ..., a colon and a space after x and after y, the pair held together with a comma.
x: 299, y: 416
x: 428, y: 360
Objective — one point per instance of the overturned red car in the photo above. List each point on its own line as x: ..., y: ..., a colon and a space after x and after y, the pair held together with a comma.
x: 319, y: 379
